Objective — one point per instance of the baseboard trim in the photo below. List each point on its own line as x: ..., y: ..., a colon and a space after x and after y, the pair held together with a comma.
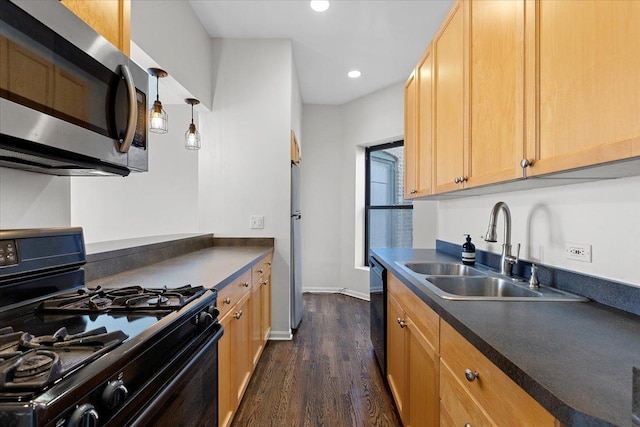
x: 280, y: 335
x: 344, y: 291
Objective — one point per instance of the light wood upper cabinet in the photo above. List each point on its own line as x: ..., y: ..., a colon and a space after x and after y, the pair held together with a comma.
x: 411, y: 154
x: 110, y: 18
x: 418, y: 98
x: 425, y: 124
x: 496, y: 91
x: 450, y: 87
x: 582, y: 83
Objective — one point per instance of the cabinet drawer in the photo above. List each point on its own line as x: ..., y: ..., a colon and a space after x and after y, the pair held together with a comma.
x: 502, y: 400
x: 422, y: 315
x: 261, y: 269
x: 458, y: 407
x: 233, y: 292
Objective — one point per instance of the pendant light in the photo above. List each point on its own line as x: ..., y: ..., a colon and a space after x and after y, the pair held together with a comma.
x: 192, y: 137
x: 158, y: 117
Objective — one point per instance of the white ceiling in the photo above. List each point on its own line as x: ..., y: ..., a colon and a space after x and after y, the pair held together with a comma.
x: 384, y: 39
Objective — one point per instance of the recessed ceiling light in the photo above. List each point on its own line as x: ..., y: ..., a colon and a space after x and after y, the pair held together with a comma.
x: 319, y: 5
x: 354, y: 74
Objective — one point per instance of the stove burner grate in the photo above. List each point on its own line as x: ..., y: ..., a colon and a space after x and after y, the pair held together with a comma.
x: 32, y: 363
x: 131, y: 298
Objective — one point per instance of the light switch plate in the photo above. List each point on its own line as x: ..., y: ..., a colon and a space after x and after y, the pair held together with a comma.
x: 256, y: 221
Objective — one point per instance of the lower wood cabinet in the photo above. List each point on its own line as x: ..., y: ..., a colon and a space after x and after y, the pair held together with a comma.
x: 244, y: 307
x: 476, y: 392
x: 438, y: 378
x: 412, y: 356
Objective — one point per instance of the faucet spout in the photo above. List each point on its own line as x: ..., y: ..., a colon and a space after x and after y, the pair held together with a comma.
x: 507, y: 259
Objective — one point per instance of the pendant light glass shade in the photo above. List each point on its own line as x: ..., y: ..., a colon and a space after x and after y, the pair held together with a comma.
x: 192, y: 138
x: 158, y: 117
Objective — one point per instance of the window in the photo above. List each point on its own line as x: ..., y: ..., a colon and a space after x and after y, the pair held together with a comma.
x: 388, y: 217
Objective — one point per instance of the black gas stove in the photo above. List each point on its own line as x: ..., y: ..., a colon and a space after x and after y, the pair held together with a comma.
x: 77, y: 356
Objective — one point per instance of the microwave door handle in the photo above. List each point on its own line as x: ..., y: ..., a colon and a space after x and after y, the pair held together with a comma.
x: 125, y: 143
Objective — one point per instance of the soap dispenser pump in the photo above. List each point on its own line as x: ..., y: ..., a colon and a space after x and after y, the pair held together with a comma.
x: 468, y: 252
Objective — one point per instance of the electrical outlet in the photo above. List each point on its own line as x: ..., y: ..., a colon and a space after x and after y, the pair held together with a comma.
x: 256, y: 221
x: 578, y: 252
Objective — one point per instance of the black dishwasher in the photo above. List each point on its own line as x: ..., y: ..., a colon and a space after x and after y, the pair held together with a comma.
x: 378, y: 310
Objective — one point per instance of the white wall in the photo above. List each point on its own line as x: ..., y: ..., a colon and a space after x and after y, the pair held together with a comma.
x: 29, y: 200
x: 161, y: 201
x: 170, y: 33
x: 245, y: 159
x: 320, y: 198
x: 603, y: 214
x: 333, y: 192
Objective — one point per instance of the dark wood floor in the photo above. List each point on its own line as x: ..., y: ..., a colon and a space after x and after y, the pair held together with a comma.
x: 325, y: 376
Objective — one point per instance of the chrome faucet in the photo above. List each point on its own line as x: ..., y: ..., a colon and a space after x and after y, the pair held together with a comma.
x: 507, y: 260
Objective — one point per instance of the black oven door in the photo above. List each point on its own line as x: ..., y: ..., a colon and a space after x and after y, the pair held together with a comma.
x: 190, y: 397
x: 65, y: 87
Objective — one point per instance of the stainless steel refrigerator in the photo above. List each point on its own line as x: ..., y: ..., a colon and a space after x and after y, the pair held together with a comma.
x: 296, y: 248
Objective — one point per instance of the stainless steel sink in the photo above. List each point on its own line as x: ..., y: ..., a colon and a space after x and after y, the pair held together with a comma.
x: 442, y: 269
x: 454, y: 281
x: 483, y: 287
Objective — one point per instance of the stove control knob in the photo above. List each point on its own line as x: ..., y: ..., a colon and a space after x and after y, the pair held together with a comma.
x: 84, y: 415
x: 213, y: 311
x: 204, y: 319
x: 114, y: 394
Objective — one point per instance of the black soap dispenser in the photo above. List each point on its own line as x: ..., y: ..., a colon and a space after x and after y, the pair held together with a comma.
x: 468, y: 252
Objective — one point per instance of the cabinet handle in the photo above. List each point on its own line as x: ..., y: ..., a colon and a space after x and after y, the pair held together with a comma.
x: 269, y: 263
x: 227, y: 300
x: 468, y: 425
x: 459, y: 179
x: 524, y: 164
x: 245, y: 284
x: 266, y: 282
x: 402, y: 323
x: 471, y: 375
x: 260, y: 271
x: 413, y: 192
x: 238, y: 314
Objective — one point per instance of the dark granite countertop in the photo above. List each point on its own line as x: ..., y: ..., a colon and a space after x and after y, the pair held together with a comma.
x: 213, y: 266
x: 574, y: 358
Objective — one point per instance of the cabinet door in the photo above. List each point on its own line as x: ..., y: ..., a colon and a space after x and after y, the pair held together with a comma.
x: 423, y: 376
x: 110, y: 18
x: 450, y: 102
x: 424, y: 147
x: 496, y: 91
x: 410, y: 137
x: 255, y: 320
x: 396, y: 356
x: 265, y: 309
x: 582, y: 83
x: 227, y: 398
x: 242, y: 356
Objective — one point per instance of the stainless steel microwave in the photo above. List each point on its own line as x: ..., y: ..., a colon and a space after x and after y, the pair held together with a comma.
x: 71, y: 103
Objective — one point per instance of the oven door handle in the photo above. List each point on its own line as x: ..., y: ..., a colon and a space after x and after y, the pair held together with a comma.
x: 160, y: 398
x: 125, y: 143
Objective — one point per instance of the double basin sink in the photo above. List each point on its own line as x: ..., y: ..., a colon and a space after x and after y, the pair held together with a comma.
x: 461, y: 282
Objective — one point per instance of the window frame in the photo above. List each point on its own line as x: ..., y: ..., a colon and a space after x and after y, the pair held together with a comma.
x: 367, y: 192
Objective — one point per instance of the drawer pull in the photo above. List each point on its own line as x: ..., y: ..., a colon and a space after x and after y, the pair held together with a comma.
x: 266, y: 282
x: 260, y: 271
x: 227, y: 300
x: 269, y: 263
x: 402, y: 323
x: 238, y: 314
x: 467, y: 425
x: 471, y: 375
x: 245, y: 284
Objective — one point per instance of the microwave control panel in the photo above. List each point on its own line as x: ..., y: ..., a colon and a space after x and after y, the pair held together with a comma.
x: 8, y: 254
